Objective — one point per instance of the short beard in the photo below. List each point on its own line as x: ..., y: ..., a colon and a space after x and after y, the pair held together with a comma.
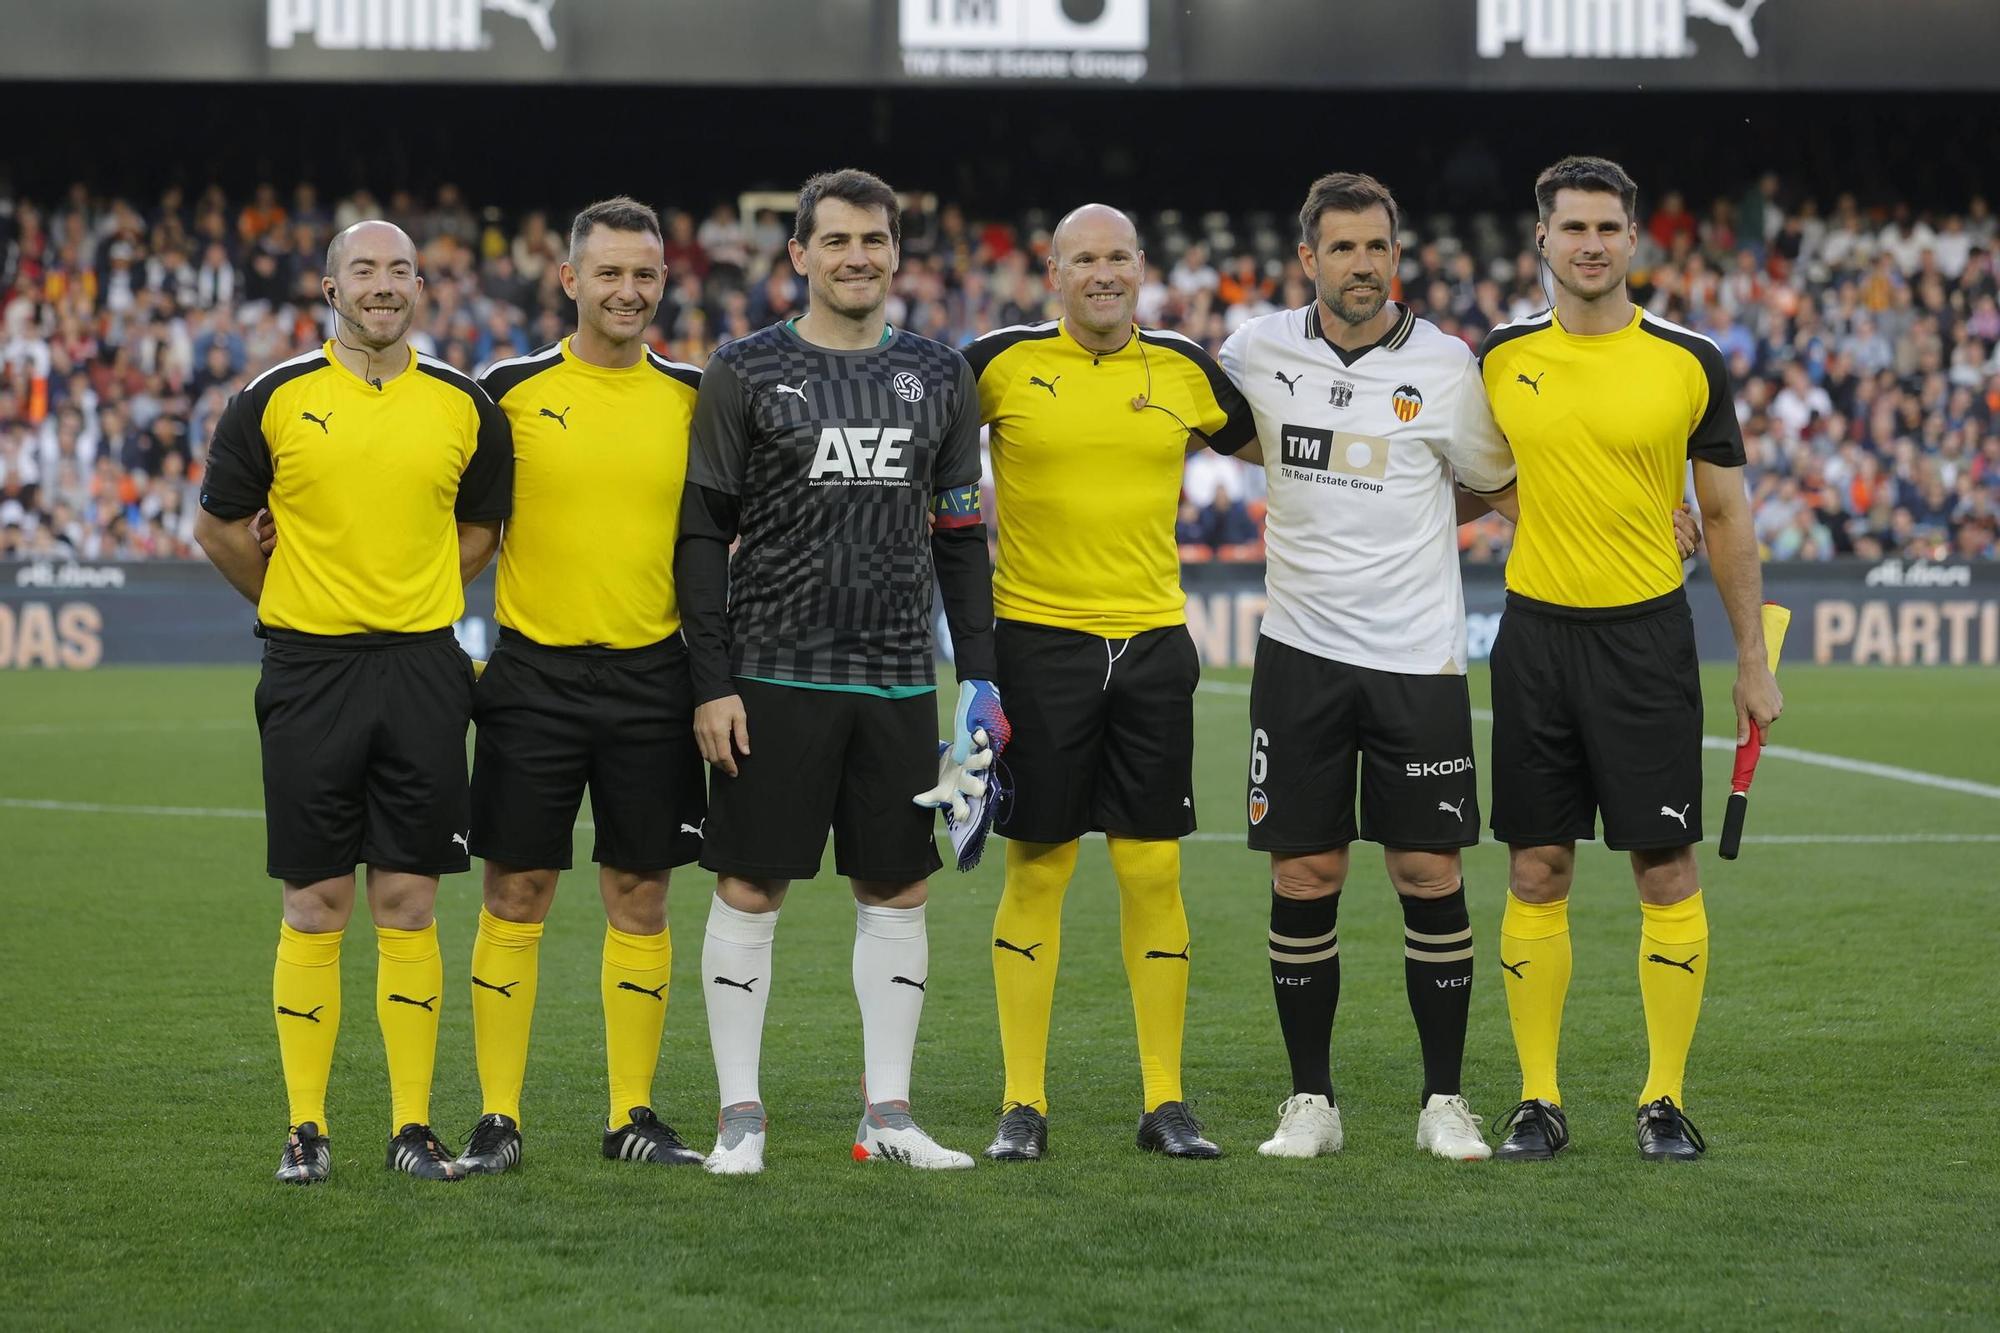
x: 1355, y: 314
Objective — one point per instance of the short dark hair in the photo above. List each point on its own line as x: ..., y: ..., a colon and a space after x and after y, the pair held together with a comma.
x: 622, y: 213
x: 863, y: 189
x: 1345, y: 192
x: 1598, y: 175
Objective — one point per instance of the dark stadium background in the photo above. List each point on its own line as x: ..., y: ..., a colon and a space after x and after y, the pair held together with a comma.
x: 995, y: 151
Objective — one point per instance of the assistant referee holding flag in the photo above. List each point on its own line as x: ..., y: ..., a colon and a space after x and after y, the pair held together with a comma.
x: 1596, y: 688
x: 388, y: 474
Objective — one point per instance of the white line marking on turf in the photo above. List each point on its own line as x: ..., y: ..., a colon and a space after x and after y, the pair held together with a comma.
x: 1863, y: 766
x: 96, y: 808
x: 1841, y: 763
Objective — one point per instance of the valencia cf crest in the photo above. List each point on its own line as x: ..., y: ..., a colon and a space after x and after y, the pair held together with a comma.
x: 1343, y: 393
x: 1408, y: 402
x: 1260, y: 805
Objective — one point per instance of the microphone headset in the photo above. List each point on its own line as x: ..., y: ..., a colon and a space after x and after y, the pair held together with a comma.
x: 1541, y: 269
x: 1144, y: 402
x: 368, y: 357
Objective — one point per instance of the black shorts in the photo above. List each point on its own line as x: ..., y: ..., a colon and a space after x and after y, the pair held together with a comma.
x: 1103, y: 733
x: 827, y: 758
x: 554, y: 720
x: 364, y: 753
x: 1597, y: 709
x: 1310, y: 715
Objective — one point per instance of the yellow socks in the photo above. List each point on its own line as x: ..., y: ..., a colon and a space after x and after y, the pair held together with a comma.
x: 409, y: 987
x: 1153, y: 930
x: 1673, y: 966
x: 506, y: 958
x: 634, y: 982
x: 306, y: 988
x: 1535, y: 958
x: 1027, y: 932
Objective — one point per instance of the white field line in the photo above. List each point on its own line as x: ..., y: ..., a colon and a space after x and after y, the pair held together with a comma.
x: 1205, y: 835
x: 1914, y: 777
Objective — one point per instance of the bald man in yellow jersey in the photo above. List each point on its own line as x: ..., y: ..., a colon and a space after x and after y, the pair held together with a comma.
x: 589, y: 685
x: 1091, y: 419
x: 388, y: 473
x: 1596, y: 689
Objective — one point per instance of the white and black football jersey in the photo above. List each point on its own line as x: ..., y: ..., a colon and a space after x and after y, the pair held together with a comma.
x: 1360, y: 448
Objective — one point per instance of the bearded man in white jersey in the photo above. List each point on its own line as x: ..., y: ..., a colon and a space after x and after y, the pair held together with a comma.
x: 1365, y: 415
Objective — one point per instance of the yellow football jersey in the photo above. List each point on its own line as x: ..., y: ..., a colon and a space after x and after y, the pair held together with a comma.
x: 367, y: 481
x: 1602, y: 429
x: 600, y: 459
x: 1088, y: 484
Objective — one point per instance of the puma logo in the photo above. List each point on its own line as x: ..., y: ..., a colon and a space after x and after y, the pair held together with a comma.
x: 654, y: 992
x: 460, y: 839
x: 1737, y: 20
x: 1458, y: 810
x: 506, y: 990
x: 694, y: 828
x: 311, y: 1015
x: 1535, y: 383
x: 905, y: 981
x: 559, y: 420
x: 530, y: 12
x: 1687, y: 967
x: 317, y: 421
x: 424, y: 1005
x: 798, y: 393
x: 1050, y: 385
x: 1027, y: 953
x: 1515, y: 968
x: 725, y: 981
x: 1680, y: 814
x: 1291, y: 382
x: 1162, y: 953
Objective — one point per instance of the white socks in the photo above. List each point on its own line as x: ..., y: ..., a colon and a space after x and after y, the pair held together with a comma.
x: 892, y: 965
x: 891, y: 968
x: 736, y: 979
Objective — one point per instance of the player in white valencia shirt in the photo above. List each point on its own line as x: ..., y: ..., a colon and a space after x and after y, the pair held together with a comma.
x: 1365, y: 416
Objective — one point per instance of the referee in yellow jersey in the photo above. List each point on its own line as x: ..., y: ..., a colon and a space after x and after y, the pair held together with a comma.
x: 589, y: 685
x: 388, y: 474
x: 1092, y: 418
x: 1596, y: 689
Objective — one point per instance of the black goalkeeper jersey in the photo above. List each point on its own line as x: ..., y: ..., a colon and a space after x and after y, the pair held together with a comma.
x: 834, y: 457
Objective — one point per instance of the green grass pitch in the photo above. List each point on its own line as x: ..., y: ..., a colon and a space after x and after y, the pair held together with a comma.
x: 1844, y: 1074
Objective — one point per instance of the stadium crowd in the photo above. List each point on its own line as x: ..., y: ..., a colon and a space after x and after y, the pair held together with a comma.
x: 1864, y: 342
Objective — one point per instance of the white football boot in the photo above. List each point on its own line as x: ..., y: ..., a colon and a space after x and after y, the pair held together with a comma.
x: 888, y: 1134
x: 1448, y: 1128
x: 739, y: 1141
x: 1308, y: 1126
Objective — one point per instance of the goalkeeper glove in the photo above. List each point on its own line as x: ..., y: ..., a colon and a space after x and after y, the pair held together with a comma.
x: 978, y: 711
x: 957, y: 780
